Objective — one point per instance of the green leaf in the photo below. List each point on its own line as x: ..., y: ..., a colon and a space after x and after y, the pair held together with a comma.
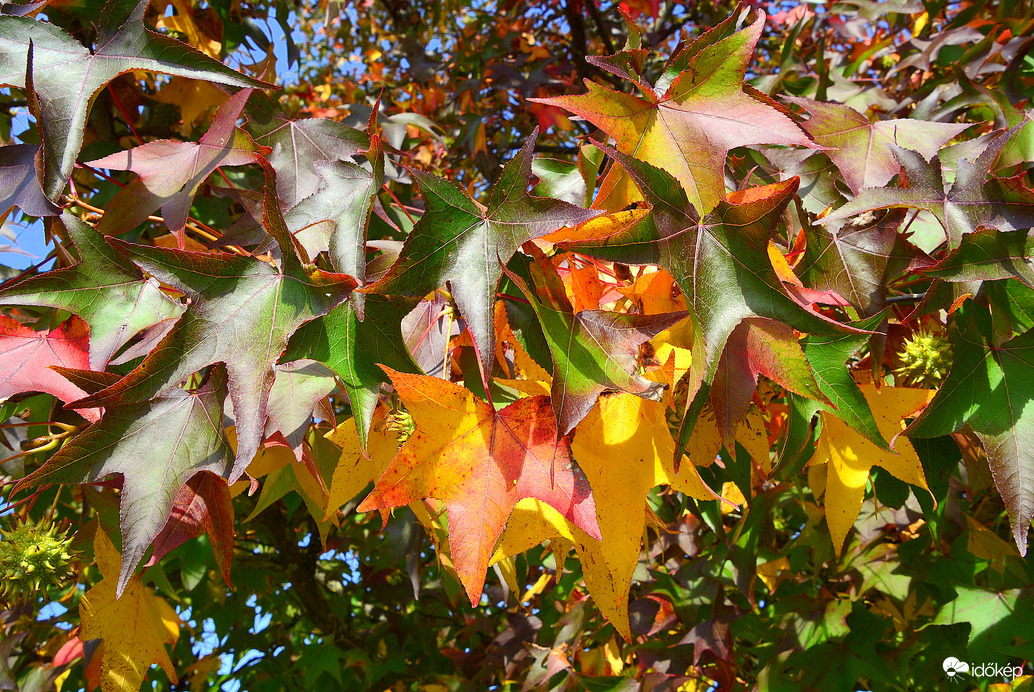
x: 242, y: 313
x: 593, y: 351
x: 460, y: 241
x: 354, y: 350
x: 67, y: 75
x: 995, y: 619
x: 990, y: 387
x: 104, y: 288
x: 988, y: 254
x: 157, y: 446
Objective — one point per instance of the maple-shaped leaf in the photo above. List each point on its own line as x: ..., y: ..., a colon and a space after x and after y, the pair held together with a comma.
x: 202, y: 505
x: 297, y: 144
x: 688, y: 122
x: 297, y: 388
x: 757, y: 346
x: 67, y: 75
x: 242, y: 313
x: 359, y: 465
x: 104, y: 288
x: 857, y: 259
x: 861, y: 149
x: 976, y: 197
x: 460, y: 241
x: 633, y: 430
x: 157, y: 446
x: 26, y: 357
x: 593, y: 350
x: 989, y: 387
x: 988, y: 255
x: 849, y: 456
x: 134, y: 628
x: 171, y: 172
x: 353, y: 349
x: 480, y: 462
x: 20, y: 182
x: 720, y: 260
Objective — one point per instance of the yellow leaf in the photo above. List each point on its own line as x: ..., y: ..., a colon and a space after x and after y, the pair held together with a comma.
x: 354, y: 471
x: 781, y: 266
x: 849, y: 456
x: 769, y: 572
x: 599, y: 227
x: 183, y: 23
x: 135, y: 628
x: 655, y: 293
x: 194, y: 97
x: 619, y: 427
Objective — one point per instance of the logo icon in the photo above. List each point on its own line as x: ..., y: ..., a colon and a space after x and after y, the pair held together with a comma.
x: 954, y: 667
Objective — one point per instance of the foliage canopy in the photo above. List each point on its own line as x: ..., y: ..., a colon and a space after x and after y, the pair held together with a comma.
x: 551, y: 344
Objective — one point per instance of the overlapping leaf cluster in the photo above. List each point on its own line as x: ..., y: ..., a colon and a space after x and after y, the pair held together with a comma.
x: 758, y: 353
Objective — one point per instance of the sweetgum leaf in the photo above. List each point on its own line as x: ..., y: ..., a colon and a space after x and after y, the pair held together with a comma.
x: 298, y: 144
x: 298, y: 386
x: 986, y: 255
x: 480, y: 462
x: 67, y: 75
x: 171, y: 172
x: 353, y: 349
x: 104, y: 288
x: 460, y: 241
x: 593, y: 351
x: 20, y: 182
x: 989, y: 387
x: 688, y: 125
x: 862, y: 149
x: 26, y: 357
x: 720, y: 260
x: 157, y: 446
x: 976, y: 197
x: 242, y: 313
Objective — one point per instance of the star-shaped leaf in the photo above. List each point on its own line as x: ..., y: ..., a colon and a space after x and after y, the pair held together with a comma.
x: 67, y: 75
x: 593, y: 350
x: 460, y: 241
x: 849, y: 457
x: 242, y: 313
x: 104, y: 288
x: 720, y: 260
x: 976, y: 197
x: 620, y: 426
x: 20, y: 182
x: 354, y: 349
x: 480, y: 462
x: 988, y: 255
x: 862, y: 149
x: 171, y: 172
x: 989, y: 387
x: 134, y: 628
x: 157, y: 446
x: 26, y: 357
x: 299, y: 384
x: 298, y: 144
x: 688, y: 122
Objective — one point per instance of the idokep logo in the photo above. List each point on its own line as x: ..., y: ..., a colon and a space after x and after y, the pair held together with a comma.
x: 956, y: 669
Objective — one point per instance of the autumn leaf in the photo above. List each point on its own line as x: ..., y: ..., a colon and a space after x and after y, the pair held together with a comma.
x: 460, y: 241
x: 359, y: 466
x: 239, y: 316
x: 480, y: 463
x: 104, y: 288
x: 988, y: 254
x: 134, y: 627
x: 976, y: 197
x: 26, y: 357
x: 299, y: 145
x: 67, y: 75
x: 989, y: 388
x: 157, y: 446
x: 20, y: 183
x: 593, y: 350
x: 297, y: 387
x: 861, y: 149
x: 688, y: 121
x: 849, y: 456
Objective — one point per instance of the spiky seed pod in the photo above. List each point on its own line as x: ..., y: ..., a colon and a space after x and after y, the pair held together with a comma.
x: 400, y: 423
x: 925, y: 359
x: 33, y: 557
